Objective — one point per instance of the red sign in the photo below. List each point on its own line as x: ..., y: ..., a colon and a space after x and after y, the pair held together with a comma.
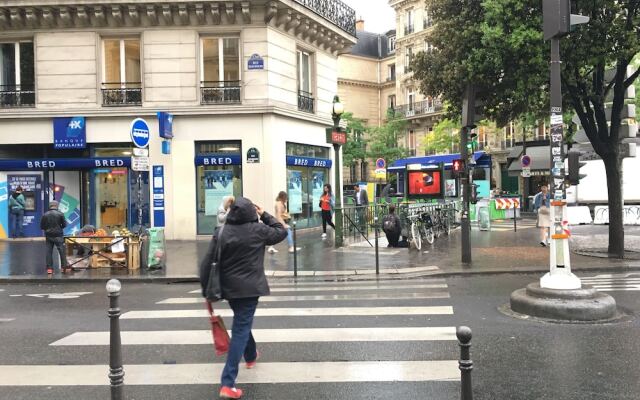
x: 336, y: 137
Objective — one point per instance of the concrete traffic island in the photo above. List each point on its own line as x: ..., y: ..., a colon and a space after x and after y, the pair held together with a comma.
x: 573, y: 305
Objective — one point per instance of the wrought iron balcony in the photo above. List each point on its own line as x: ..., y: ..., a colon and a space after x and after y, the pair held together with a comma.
x: 408, y: 29
x: 220, y: 92
x: 122, y: 94
x: 420, y: 108
x: 305, y: 102
x: 17, y: 96
x: 334, y: 11
x: 427, y: 23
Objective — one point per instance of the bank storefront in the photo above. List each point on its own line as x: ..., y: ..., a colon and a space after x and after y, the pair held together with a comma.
x: 308, y: 169
x: 93, y: 186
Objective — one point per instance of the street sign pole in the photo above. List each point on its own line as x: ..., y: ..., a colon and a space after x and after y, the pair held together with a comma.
x: 465, y: 222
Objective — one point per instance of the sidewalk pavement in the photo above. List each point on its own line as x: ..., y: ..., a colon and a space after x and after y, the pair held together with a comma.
x: 499, y: 251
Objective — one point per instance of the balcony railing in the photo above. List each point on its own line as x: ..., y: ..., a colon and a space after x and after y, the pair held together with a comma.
x: 427, y: 23
x: 334, y: 11
x: 425, y: 107
x: 408, y: 29
x: 122, y: 94
x: 220, y: 92
x: 391, y: 77
x: 305, y: 102
x: 17, y: 96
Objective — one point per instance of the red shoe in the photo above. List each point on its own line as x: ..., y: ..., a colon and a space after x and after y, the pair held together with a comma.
x: 251, y: 364
x: 230, y: 393
x: 50, y: 271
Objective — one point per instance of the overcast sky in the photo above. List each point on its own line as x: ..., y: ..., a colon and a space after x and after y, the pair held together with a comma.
x: 378, y: 16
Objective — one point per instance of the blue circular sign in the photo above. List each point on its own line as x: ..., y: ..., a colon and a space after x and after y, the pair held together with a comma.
x: 380, y: 163
x: 140, y: 133
x: 525, y: 161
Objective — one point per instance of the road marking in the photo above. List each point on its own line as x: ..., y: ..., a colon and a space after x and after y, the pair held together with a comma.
x: 366, y: 296
x: 294, y: 312
x: 205, y: 374
x: 358, y: 283
x: 7, y: 319
x: 54, y: 296
x: 389, y: 334
x: 614, y: 282
x: 345, y: 289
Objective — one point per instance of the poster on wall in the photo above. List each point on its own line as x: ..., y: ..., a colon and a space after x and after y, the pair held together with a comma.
x: 69, y: 206
x: 32, y: 192
x: 317, y: 189
x: 4, y: 208
x: 450, y: 188
x: 217, y: 185
x: 295, y: 192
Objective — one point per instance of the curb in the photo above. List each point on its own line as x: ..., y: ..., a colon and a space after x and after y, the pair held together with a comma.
x: 399, y: 274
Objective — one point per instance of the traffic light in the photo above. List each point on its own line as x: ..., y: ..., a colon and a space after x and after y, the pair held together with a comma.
x: 458, y: 166
x: 574, y: 167
x: 474, y: 194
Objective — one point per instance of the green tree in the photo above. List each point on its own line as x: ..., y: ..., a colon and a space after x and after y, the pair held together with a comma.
x: 498, y: 46
x: 383, y: 140
x: 356, y: 147
x: 443, y: 137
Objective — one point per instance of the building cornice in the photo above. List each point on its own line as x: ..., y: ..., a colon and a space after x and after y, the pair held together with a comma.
x: 374, y: 85
x: 287, y: 15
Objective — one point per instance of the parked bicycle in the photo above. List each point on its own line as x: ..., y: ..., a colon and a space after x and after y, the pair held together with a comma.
x: 421, y: 229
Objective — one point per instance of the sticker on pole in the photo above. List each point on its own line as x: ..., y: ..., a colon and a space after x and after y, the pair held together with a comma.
x: 526, y: 172
x: 140, y: 133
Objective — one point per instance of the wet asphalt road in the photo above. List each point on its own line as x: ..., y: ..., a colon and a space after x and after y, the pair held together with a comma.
x: 514, y: 359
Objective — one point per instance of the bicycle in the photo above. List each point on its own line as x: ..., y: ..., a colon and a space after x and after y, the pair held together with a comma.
x: 421, y: 228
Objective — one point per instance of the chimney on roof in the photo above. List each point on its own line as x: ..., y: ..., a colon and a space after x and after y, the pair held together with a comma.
x: 360, y: 24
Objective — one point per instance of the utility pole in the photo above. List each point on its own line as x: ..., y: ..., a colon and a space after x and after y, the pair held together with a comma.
x: 468, y: 123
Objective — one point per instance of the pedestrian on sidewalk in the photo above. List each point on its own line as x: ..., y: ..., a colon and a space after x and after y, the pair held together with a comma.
x: 391, y: 227
x: 361, y: 199
x: 542, y: 204
x: 223, y: 210
x: 327, y: 203
x: 53, y: 224
x: 16, y: 207
x: 282, y: 215
x: 243, y: 281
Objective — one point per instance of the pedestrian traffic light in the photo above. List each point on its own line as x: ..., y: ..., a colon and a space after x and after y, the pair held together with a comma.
x: 474, y: 194
x: 458, y: 166
x: 574, y: 167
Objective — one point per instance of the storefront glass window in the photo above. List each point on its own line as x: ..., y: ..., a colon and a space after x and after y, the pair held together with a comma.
x: 111, y: 191
x: 218, y: 174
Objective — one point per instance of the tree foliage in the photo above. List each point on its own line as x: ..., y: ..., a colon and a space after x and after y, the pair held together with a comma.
x: 443, y: 137
x: 356, y: 147
x: 383, y: 140
x: 498, y: 46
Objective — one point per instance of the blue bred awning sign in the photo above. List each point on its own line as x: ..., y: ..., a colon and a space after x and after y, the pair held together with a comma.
x: 69, y: 133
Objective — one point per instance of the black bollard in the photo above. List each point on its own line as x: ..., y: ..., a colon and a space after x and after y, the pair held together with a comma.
x: 295, y: 251
x: 116, y: 371
x: 375, y: 221
x: 465, y: 364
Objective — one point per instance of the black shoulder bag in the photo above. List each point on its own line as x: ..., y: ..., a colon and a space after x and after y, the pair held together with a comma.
x: 214, y: 290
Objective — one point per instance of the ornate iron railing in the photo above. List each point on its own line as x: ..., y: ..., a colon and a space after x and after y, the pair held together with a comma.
x: 334, y: 11
x: 17, y: 96
x: 408, y: 29
x: 425, y: 107
x: 305, y: 101
x: 122, y: 94
x: 219, y: 92
x: 427, y: 23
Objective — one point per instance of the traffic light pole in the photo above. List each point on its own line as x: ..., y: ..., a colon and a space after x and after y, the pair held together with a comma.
x: 465, y: 221
x: 559, y: 276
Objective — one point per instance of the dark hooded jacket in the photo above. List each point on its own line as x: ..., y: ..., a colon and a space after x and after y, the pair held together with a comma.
x: 243, y: 242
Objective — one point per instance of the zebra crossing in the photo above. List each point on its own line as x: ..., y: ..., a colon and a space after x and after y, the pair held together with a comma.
x: 331, y: 321
x: 614, y: 282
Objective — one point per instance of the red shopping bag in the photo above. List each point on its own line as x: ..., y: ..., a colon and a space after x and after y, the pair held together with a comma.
x: 219, y: 332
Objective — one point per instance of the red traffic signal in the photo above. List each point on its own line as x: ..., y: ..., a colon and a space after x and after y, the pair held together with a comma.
x: 458, y: 165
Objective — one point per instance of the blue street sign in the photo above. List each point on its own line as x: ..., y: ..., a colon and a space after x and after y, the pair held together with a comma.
x: 525, y: 160
x: 69, y: 133
x: 140, y: 133
x: 218, y: 159
x: 158, y: 196
x: 255, y: 62
x: 165, y: 120
x: 309, y: 162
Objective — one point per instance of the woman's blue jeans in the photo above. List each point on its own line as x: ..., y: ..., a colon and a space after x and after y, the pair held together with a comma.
x: 242, y: 342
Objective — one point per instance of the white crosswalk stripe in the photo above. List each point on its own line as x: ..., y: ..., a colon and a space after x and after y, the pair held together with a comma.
x: 313, y: 314
x: 614, y: 282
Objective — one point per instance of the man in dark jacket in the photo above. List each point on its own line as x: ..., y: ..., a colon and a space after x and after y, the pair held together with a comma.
x: 391, y: 226
x: 53, y: 224
x: 242, y: 279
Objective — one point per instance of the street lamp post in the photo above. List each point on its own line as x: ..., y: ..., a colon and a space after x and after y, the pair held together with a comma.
x: 337, y: 139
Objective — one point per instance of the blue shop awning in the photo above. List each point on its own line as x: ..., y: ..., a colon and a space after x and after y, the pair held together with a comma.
x: 482, y: 159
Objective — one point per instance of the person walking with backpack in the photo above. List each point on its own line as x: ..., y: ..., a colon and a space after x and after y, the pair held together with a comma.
x: 391, y: 226
x: 16, y: 210
x: 53, y: 224
x: 241, y: 243
x: 327, y: 203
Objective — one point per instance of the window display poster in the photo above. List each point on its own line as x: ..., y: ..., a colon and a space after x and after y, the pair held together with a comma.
x: 450, y: 188
x: 217, y: 185
x: 33, y: 195
x: 295, y: 192
x: 317, y: 189
x: 425, y: 183
x: 69, y: 206
x: 4, y: 207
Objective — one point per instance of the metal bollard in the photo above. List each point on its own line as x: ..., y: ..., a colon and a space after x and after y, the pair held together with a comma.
x: 116, y: 371
x: 295, y: 252
x: 465, y: 364
x: 375, y: 221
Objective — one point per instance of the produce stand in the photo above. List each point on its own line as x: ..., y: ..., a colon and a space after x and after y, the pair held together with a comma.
x: 99, y: 251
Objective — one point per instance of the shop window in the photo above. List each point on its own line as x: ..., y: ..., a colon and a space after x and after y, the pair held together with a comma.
x: 306, y: 100
x: 17, y: 78
x: 220, y: 70
x: 218, y: 175
x: 121, y: 76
